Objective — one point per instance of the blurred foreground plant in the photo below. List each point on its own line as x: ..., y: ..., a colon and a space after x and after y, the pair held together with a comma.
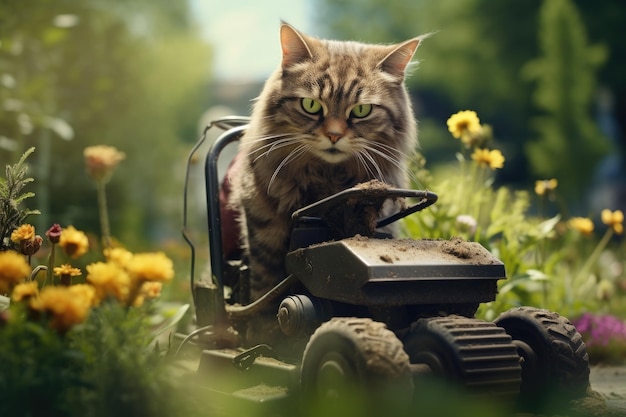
x: 80, y: 342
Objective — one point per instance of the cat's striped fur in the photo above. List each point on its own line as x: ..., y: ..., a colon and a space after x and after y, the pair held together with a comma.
x: 290, y: 158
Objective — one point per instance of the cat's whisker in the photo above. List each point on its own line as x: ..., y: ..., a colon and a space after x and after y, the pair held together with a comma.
x: 365, y: 165
x: 403, y: 156
x: 280, y: 145
x: 273, y: 146
x: 380, y: 176
x: 391, y: 149
x: 265, y: 138
x: 294, y: 154
x: 385, y: 151
x: 391, y: 159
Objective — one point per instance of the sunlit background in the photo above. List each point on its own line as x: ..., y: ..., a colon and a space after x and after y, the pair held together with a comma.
x: 141, y: 75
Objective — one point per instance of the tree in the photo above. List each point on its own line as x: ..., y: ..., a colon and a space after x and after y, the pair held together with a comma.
x: 474, y: 61
x: 568, y: 144
x: 127, y: 74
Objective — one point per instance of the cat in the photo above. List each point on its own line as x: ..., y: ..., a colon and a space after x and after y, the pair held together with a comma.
x: 334, y: 114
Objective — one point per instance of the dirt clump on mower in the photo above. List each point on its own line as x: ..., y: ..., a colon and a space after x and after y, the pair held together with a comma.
x: 360, y: 216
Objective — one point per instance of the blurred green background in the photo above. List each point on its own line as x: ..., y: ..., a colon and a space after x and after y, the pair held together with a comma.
x: 140, y: 74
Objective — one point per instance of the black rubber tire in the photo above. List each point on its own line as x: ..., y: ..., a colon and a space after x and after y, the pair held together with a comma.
x: 354, y: 354
x: 476, y: 355
x: 555, y: 360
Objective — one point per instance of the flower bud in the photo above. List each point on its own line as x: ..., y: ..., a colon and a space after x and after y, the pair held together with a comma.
x: 54, y: 233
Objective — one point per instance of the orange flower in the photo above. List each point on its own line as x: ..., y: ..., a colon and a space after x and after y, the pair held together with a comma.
x: 13, y: 269
x: 74, y: 242
x: 101, y: 160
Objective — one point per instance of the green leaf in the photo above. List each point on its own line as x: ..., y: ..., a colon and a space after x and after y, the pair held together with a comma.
x: 548, y: 226
x: 172, y: 321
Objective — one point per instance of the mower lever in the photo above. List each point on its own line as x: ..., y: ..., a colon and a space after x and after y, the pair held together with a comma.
x: 244, y: 360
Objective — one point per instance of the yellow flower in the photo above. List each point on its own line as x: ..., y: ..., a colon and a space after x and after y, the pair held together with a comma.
x: 101, y: 160
x: 66, y: 269
x: 85, y: 293
x: 614, y: 219
x: 151, y: 289
x: 24, y: 232
x: 24, y: 291
x: 543, y: 187
x: 63, y: 305
x: 119, y: 256
x: 151, y: 267
x: 486, y: 158
x: 74, y: 242
x: 24, y: 236
x: 13, y: 269
x: 66, y: 272
x: 108, y: 279
x: 148, y: 290
x: 582, y: 224
x: 464, y: 123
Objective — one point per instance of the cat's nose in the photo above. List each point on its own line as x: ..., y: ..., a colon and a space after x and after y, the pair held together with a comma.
x: 334, y: 136
x: 335, y: 129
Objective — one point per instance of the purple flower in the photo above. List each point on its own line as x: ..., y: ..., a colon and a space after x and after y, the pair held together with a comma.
x: 600, y: 329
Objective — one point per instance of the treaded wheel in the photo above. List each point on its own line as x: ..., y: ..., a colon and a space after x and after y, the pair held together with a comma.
x: 354, y: 356
x: 555, y: 359
x: 478, y: 355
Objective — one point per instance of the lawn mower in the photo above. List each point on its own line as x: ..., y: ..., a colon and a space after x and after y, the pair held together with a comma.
x: 360, y: 310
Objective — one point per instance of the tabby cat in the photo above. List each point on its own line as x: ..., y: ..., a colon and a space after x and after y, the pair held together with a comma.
x: 333, y: 115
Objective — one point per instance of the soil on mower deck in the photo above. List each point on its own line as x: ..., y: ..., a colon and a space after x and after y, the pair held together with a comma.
x: 435, y: 250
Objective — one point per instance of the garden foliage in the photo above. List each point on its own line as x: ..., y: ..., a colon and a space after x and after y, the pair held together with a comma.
x: 74, y: 345
x: 571, y: 265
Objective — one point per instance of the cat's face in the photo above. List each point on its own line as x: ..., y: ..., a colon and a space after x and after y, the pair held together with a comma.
x: 344, y: 99
x: 341, y: 100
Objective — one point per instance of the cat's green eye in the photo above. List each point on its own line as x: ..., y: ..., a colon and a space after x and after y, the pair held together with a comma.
x: 311, y: 106
x: 361, y: 110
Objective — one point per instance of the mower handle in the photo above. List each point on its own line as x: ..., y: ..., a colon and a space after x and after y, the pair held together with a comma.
x: 321, y: 207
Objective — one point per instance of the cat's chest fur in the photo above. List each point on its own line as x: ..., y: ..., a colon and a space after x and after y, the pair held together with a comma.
x: 304, y: 183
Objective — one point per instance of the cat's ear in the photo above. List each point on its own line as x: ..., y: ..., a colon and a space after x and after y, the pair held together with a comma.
x: 294, y: 46
x: 396, y: 61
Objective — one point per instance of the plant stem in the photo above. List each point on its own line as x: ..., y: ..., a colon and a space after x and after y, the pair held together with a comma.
x: 50, y: 266
x: 594, y: 255
x: 104, y: 214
